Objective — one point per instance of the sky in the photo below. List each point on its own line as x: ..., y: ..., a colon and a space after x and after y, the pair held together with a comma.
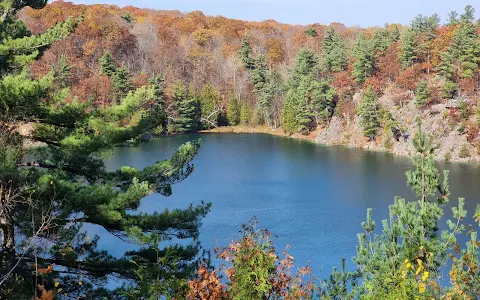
x: 362, y: 13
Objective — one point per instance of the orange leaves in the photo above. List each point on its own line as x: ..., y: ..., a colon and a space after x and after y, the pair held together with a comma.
x: 207, y: 286
x: 275, y: 50
x: 45, y: 295
x: 45, y: 271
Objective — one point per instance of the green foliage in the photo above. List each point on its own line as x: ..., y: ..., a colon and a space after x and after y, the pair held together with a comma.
x: 254, y: 264
x: 246, y: 53
x: 335, y: 55
x: 465, y: 46
x: 127, y: 17
x: 464, y: 153
x: 63, y: 72
x: 449, y: 89
x: 463, y: 109
x: 187, y: 110
x: 408, y: 52
x: 245, y: 114
x: 364, y: 65
x: 309, y: 100
x: 62, y: 183
x: 121, y: 83
x: 311, y: 32
x: 405, y: 260
x: 368, y: 112
x: 107, y: 65
x: 234, y: 108
x: 209, y: 100
x: 422, y: 93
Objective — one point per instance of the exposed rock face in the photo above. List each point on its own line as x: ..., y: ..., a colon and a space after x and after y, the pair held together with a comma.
x: 448, y: 135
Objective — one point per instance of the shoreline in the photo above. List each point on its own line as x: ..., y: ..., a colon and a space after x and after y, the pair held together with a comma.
x: 262, y: 129
x: 312, y: 138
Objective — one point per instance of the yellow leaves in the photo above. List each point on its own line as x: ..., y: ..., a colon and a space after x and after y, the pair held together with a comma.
x: 404, y: 274
x: 408, y: 264
x: 421, y: 288
x: 89, y: 48
x: 56, y: 284
x: 420, y: 267
x: 51, y: 182
x: 425, y: 275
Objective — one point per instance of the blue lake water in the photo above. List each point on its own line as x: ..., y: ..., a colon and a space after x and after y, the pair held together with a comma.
x: 311, y: 197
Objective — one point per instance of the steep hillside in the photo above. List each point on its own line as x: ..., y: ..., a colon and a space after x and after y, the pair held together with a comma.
x: 300, y: 78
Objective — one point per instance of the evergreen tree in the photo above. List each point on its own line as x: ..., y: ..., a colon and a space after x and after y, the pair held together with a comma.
x: 425, y: 30
x: 107, y: 65
x: 158, y: 83
x: 121, y: 83
x: 187, y: 114
x: 409, y: 49
x: 452, y: 18
x: 405, y: 260
x: 159, y: 101
x: 364, y: 65
x: 297, y: 113
x: 63, y: 71
x: 422, y: 93
x: 322, y: 103
x: 446, y: 69
x: 311, y: 32
x: 465, y: 47
x: 263, y: 84
x: 208, y: 98
x: 245, y: 114
x: 369, y: 118
x: 246, y: 54
x: 262, y: 88
x: 335, y: 55
x: 233, y: 110
x: 62, y: 184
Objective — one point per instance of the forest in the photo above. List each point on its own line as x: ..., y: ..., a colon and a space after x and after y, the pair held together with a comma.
x: 77, y: 81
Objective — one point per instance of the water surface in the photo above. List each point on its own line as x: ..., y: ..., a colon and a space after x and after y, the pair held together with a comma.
x: 311, y: 197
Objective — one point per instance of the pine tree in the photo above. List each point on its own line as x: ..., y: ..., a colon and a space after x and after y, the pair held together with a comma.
x: 245, y: 114
x: 322, y: 100
x: 107, y: 65
x: 404, y: 261
x: 246, y: 53
x: 368, y: 113
x: 297, y: 115
x: 422, y: 93
x: 63, y: 184
x: 158, y: 82
x: 263, y: 84
x: 63, y: 71
x: 311, y: 32
x: 465, y: 47
x: 187, y: 114
x: 335, y: 56
x: 426, y: 30
x: 262, y: 88
x: 364, y: 65
x: 409, y: 49
x: 121, y: 83
x: 233, y: 110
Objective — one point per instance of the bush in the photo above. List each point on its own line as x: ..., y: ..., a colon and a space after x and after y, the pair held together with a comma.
x: 464, y: 152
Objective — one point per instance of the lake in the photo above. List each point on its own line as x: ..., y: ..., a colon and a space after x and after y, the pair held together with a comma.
x: 311, y: 197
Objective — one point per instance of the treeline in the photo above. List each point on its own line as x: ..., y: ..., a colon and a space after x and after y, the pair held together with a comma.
x: 294, y: 77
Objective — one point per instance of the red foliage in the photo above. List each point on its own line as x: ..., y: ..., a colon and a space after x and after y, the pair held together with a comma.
x: 344, y: 83
x: 96, y: 87
x: 409, y: 78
